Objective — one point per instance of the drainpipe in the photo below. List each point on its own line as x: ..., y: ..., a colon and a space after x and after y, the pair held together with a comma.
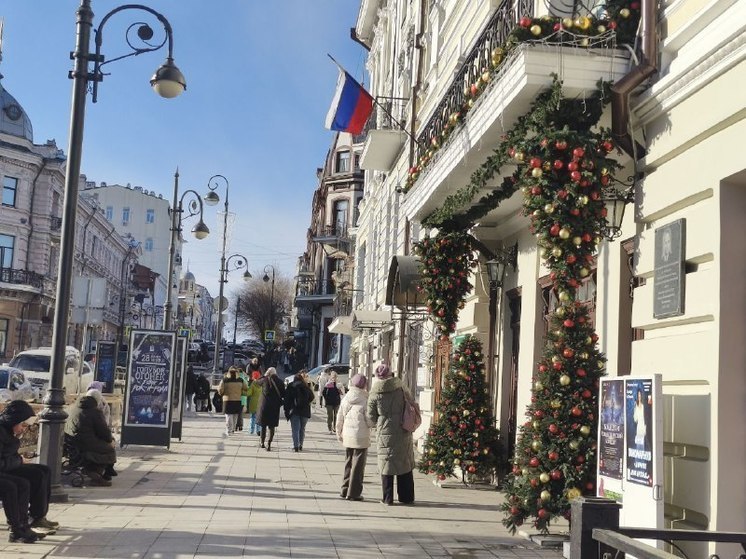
x: 621, y: 90
x: 31, y: 208
x: 417, y: 84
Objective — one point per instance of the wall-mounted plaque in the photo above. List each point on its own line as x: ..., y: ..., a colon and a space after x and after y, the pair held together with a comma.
x: 670, y: 277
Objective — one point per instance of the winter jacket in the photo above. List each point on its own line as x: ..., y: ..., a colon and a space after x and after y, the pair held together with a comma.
x: 298, y: 399
x: 88, y: 429
x: 231, y: 389
x: 332, y: 394
x: 201, y: 387
x: 254, y: 393
x: 14, y: 413
x: 191, y: 382
x: 353, y: 425
x: 270, y: 402
x: 395, y: 446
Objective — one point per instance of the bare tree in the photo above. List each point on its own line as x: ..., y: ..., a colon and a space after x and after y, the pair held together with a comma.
x: 260, y: 308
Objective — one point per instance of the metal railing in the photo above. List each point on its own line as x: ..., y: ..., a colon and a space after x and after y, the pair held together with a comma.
x: 495, y: 34
x: 338, y: 230
x: 55, y: 223
x: 315, y: 288
x: 21, y: 277
x: 625, y: 540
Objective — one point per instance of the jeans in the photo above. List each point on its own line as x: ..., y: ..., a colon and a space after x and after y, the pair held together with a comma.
x: 298, y: 428
x: 253, y: 426
x: 331, y: 417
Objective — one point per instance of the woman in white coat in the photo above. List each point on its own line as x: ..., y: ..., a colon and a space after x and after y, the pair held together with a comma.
x: 353, y: 431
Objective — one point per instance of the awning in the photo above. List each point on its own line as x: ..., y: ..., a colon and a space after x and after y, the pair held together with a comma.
x: 370, y: 319
x: 401, y: 287
x: 341, y: 325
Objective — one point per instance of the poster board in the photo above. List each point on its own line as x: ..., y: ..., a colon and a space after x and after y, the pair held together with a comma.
x: 630, y: 448
x: 147, y: 407
x: 178, y: 392
x: 106, y: 360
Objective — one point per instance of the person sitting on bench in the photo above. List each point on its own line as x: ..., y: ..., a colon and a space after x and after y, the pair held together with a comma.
x: 24, y: 488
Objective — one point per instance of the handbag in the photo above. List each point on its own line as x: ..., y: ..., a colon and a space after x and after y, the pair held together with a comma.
x: 411, y: 417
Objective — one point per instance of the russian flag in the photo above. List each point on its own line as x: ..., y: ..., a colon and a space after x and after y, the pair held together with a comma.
x: 351, y: 106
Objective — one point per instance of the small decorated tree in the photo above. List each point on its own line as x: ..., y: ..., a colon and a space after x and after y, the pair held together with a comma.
x: 464, y: 437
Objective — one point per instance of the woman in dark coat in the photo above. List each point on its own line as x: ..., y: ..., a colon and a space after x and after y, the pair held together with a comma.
x: 270, y: 402
x: 24, y: 488
x: 298, y: 400
x: 87, y: 429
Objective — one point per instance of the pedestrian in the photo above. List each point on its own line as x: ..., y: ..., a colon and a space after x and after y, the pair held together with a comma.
x: 252, y: 403
x: 395, y: 446
x: 201, y: 393
x: 103, y: 405
x: 332, y: 397
x: 25, y: 488
x: 353, y: 431
x: 270, y: 402
x: 323, y: 379
x: 231, y: 388
x: 244, y: 398
x: 87, y: 430
x: 298, y: 400
x: 190, y: 387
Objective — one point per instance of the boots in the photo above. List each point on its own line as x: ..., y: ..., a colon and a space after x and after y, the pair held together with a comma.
x: 22, y: 534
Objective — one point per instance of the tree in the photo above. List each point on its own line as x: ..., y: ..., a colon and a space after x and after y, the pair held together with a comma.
x: 260, y: 308
x: 464, y: 436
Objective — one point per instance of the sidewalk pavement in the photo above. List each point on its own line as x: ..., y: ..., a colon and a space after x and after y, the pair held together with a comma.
x: 213, y: 495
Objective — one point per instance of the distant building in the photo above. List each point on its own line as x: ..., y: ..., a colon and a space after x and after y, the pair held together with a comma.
x: 195, y: 309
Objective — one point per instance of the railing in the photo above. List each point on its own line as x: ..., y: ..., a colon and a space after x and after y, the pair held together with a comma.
x: 495, y: 34
x: 21, y: 277
x: 338, y: 230
x: 624, y: 540
x: 315, y: 288
x: 55, y: 223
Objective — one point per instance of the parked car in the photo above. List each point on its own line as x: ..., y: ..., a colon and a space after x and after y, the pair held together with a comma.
x: 239, y: 360
x: 36, y: 365
x: 15, y: 386
x: 342, y: 370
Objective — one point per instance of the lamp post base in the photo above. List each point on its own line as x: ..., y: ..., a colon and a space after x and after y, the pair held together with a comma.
x: 51, y: 430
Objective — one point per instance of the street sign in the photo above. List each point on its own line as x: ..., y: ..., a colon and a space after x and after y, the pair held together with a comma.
x: 269, y: 335
x: 184, y: 332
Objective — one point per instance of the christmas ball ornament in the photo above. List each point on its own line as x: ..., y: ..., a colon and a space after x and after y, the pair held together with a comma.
x: 472, y: 469
x: 534, y: 162
x: 536, y: 445
x: 441, y: 477
x: 497, y: 54
x: 601, y: 29
x: 466, y: 413
x: 564, y: 380
x: 549, y: 209
x: 573, y: 493
x: 553, y: 456
x: 534, y: 462
x: 537, y: 173
x: 564, y: 296
x: 577, y: 241
x: 538, y: 386
x: 524, y: 472
x: 537, y: 213
x: 542, y: 513
x: 555, y: 475
x: 576, y: 411
x: 485, y: 76
x: 556, y: 252
x: 544, y: 477
x: 555, y: 404
x: 525, y: 21
x: 536, y: 424
x: 545, y: 495
x: 573, y: 445
x: 568, y: 323
x: 431, y: 452
x: 583, y: 200
x: 519, y: 156
x: 567, y: 24
x: 564, y: 233
x: 568, y: 352
x: 560, y: 312
x: 624, y: 12
x: 553, y: 428
x: 535, y: 30
x: 585, y: 430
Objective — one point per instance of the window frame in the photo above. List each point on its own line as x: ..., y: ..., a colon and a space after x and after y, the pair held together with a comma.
x: 109, y: 213
x: 125, y: 216
x: 150, y: 215
x: 148, y: 245
x: 342, y: 155
x: 4, y: 250
x: 4, y: 328
x: 8, y: 188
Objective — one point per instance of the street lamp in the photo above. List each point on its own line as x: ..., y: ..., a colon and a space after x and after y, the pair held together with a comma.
x: 266, y: 278
x: 200, y: 231
x: 225, y: 267
x: 168, y: 82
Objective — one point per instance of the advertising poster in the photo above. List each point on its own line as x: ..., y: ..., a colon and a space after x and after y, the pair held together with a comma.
x: 611, y: 427
x: 639, y: 419
x: 149, y: 378
x: 105, y: 363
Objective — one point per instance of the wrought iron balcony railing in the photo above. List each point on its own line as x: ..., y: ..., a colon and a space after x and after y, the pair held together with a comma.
x: 55, y: 223
x: 335, y: 230
x: 21, y: 277
x: 315, y: 288
x: 495, y: 34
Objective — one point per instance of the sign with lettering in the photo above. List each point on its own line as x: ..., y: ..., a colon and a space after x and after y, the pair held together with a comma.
x: 106, y: 357
x: 669, y: 273
x: 611, y: 430
x: 149, y: 386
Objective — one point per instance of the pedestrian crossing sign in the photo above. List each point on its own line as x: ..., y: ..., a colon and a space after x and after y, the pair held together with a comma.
x: 269, y: 335
x: 184, y: 332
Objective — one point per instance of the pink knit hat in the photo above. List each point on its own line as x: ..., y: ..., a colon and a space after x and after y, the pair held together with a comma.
x: 358, y: 381
x: 383, y: 371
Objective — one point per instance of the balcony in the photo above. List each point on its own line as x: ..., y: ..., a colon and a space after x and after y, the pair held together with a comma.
x: 22, y: 278
x: 384, y: 143
x: 334, y: 240
x: 314, y: 293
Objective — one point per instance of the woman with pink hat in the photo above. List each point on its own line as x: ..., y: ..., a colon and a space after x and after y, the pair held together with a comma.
x: 353, y: 431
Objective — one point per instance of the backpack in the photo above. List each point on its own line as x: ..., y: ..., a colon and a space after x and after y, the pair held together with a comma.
x: 411, y: 417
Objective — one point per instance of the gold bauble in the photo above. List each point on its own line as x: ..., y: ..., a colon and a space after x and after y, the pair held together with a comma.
x: 555, y: 404
x: 577, y: 241
x: 525, y: 189
x: 583, y: 22
x: 549, y: 208
x: 588, y: 340
x: 497, y: 55
x: 525, y: 471
x: 624, y: 12
x: 564, y: 380
x: 583, y: 272
x: 543, y: 252
x: 544, y: 477
x: 573, y: 493
x: 564, y: 296
x: 536, y: 172
x: 557, y: 333
x: 598, y: 240
x: 573, y: 445
x: 545, y: 495
x: 466, y: 413
x: 485, y: 77
x: 585, y: 430
x: 519, y: 156
x: 601, y: 29
x: 584, y: 42
x: 535, y: 30
x: 564, y: 233
x: 584, y: 356
x: 536, y: 445
x: 538, y: 213
x: 556, y: 252
x: 536, y: 424
x: 582, y: 200
x: 456, y: 462
x: 560, y: 312
x: 431, y: 452
x: 604, y: 171
x: 567, y: 23
x: 556, y: 359
x: 538, y: 386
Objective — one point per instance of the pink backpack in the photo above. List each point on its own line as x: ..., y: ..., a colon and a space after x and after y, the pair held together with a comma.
x: 411, y: 417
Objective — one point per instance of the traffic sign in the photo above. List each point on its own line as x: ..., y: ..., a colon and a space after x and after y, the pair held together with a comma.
x: 184, y: 332
x: 269, y: 335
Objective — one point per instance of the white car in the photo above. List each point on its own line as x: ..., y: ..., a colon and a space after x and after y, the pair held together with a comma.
x: 15, y: 386
x: 36, y: 365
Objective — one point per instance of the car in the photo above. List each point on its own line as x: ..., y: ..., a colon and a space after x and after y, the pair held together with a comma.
x: 36, y: 365
x: 342, y: 370
x: 239, y: 360
x: 15, y: 386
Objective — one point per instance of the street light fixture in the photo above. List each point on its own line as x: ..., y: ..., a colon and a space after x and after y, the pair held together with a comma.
x: 200, y: 231
x: 167, y: 83
x: 496, y: 272
x: 225, y: 267
x: 615, y: 202
x: 266, y: 278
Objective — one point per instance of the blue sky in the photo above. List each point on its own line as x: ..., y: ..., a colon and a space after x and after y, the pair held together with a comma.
x: 259, y: 85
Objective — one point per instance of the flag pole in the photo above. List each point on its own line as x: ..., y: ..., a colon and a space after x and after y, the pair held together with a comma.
x: 398, y: 124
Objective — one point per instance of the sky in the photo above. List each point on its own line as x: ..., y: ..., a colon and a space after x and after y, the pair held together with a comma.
x: 259, y: 84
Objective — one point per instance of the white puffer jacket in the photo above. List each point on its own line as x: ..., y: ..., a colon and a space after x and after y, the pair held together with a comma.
x: 353, y: 426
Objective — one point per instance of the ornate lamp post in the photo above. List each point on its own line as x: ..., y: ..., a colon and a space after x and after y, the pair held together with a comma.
x: 200, y: 231
x: 225, y: 267
x: 168, y: 82
x: 267, y: 278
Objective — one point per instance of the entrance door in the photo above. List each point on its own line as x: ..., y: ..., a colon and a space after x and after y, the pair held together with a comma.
x: 442, y: 363
x: 514, y: 303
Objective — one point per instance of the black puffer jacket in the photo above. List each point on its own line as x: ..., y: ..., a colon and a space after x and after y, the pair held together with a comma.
x: 298, y: 399
x: 14, y: 413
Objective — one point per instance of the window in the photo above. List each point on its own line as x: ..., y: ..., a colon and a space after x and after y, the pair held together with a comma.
x: 357, y: 162
x: 109, y: 213
x: 340, y: 217
x: 7, y: 244
x: 125, y: 216
x: 343, y: 162
x: 10, y: 186
x: 149, y: 216
x: 3, y: 336
x: 148, y: 245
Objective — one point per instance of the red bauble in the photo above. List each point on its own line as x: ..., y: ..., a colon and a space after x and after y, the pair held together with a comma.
x: 514, y: 511
x: 580, y: 372
x: 553, y: 456
x: 568, y: 323
x: 578, y: 152
x: 555, y: 475
x: 612, y: 25
x: 553, y: 428
x: 534, y: 462
x: 575, y: 176
x: 576, y: 411
x: 477, y: 421
x: 568, y: 352
x: 586, y: 237
x: 554, y: 230
x: 586, y: 394
x: 557, y: 26
x: 535, y: 190
x: 472, y: 469
x: 534, y: 482
x: 542, y: 513
x: 535, y: 162
x: 558, y: 164
x: 560, y: 145
x: 517, y: 469
x: 572, y: 166
x: 575, y: 212
x: 538, y: 414
x: 441, y: 477
x: 607, y: 145
x: 557, y: 366
x: 474, y: 89
x: 571, y: 258
x: 580, y: 459
x: 543, y: 368
x: 562, y: 194
x: 585, y: 183
x: 525, y: 21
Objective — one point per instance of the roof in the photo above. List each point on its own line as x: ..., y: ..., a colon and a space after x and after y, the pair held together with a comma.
x: 13, y: 119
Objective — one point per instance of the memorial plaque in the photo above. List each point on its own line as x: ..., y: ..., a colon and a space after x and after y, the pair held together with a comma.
x: 669, y: 273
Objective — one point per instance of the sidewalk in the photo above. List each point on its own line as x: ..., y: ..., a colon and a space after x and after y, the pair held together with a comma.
x: 218, y: 496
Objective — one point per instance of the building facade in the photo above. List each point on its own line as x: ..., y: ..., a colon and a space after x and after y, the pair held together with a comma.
x: 460, y: 96
x: 196, y: 309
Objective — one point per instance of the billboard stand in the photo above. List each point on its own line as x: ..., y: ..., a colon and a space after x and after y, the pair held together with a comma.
x: 106, y: 358
x: 147, y: 409
x: 179, y: 389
